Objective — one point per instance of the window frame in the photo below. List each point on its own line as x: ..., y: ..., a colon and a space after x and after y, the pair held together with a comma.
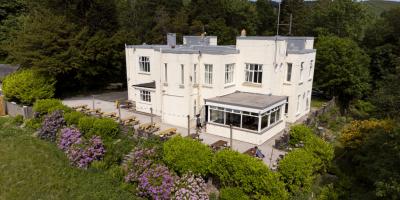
x: 165, y: 72
x: 208, y: 74
x: 144, y: 64
x: 229, y: 73
x: 145, y: 96
x: 289, y: 72
x: 182, y: 74
x: 251, y: 71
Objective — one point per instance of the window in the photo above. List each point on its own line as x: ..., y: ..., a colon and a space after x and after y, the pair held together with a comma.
x: 195, y: 73
x: 182, y: 74
x: 145, y: 95
x: 301, y: 71
x: 298, y: 104
x: 144, y: 64
x: 289, y: 72
x: 253, y: 73
x: 264, y: 121
x: 208, y: 74
x: 311, y: 68
x: 217, y: 115
x: 165, y: 72
x: 229, y: 71
x: 233, y: 118
x: 250, y: 122
x: 287, y: 107
x: 307, y: 101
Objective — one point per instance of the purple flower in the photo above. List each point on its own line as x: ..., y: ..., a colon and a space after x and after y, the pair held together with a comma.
x: 156, y: 182
x: 189, y: 187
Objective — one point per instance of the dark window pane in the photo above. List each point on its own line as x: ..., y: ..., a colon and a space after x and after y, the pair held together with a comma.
x: 272, y: 119
x: 250, y: 122
x: 233, y: 119
x: 217, y: 116
x: 264, y: 121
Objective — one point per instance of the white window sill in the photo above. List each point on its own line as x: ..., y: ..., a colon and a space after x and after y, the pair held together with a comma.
x: 252, y: 84
x: 207, y: 86
x: 301, y: 83
x: 195, y: 85
x: 165, y: 84
x: 145, y: 102
x: 229, y: 85
x: 181, y: 86
x: 144, y: 73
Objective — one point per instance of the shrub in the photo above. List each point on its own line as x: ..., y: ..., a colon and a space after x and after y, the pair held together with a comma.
x: 297, y: 169
x: 18, y: 120
x: 322, y: 151
x: 233, y: 169
x: 73, y: 118
x: 139, y: 160
x: 34, y: 123
x: 85, y: 124
x: 230, y: 193
x: 156, y: 182
x: 50, y: 126
x: 184, y: 155
x: 27, y: 86
x: 190, y: 187
x: 45, y: 106
x: 299, y: 133
x: 80, y: 152
x: 105, y: 127
x: 116, y: 150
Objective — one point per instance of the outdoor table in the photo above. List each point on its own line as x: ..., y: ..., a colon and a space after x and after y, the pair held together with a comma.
x: 219, y: 144
x: 167, y: 132
x: 112, y: 115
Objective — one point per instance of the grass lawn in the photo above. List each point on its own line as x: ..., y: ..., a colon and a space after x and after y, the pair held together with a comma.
x: 34, y: 169
x: 317, y: 102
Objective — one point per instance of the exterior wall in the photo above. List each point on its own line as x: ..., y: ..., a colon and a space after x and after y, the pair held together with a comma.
x: 243, y: 135
x: 173, y: 101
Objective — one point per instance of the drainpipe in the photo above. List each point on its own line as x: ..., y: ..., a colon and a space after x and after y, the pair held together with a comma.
x: 161, y: 88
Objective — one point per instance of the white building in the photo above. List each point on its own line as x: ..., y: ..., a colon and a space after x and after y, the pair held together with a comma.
x: 257, y: 85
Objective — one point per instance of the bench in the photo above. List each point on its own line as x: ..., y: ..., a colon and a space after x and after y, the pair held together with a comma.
x: 219, y: 145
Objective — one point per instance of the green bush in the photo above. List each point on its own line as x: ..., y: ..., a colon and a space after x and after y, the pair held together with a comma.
x: 116, y: 151
x: 233, y: 169
x: 73, y: 117
x: 34, y: 123
x: 299, y: 133
x: 85, y: 124
x: 18, y: 120
x: 322, y: 151
x: 27, y: 86
x: 184, y: 155
x: 230, y: 193
x: 45, y: 106
x: 105, y: 127
x: 297, y: 169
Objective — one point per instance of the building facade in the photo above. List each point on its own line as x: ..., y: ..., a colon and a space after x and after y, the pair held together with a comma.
x: 257, y: 85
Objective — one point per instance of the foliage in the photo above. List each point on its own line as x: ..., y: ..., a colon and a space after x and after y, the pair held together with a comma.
x: 116, y: 150
x: 328, y: 193
x: 229, y: 193
x: 387, y: 97
x: 50, y: 126
x: 27, y: 156
x: 297, y: 170
x: 189, y: 187
x: 233, y: 169
x: 80, y: 152
x: 187, y: 155
x: 45, y: 106
x: 72, y: 118
x: 140, y: 159
x: 18, y: 120
x: 341, y: 69
x: 354, y: 134
x: 34, y: 123
x: 362, y: 109
x: 85, y: 124
x: 27, y: 86
x: 299, y: 133
x: 156, y: 182
x: 322, y: 151
x: 105, y: 127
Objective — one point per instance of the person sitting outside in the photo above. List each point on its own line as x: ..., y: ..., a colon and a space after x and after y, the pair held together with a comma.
x: 259, y: 154
x: 198, y: 122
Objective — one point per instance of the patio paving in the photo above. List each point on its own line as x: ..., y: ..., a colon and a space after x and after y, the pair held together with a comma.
x: 106, y: 102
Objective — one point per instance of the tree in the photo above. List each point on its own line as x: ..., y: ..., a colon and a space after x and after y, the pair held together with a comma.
x: 266, y: 18
x: 298, y: 9
x: 341, y: 69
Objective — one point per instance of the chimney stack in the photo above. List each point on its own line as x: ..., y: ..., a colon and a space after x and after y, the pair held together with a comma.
x: 243, y: 33
x: 171, y: 40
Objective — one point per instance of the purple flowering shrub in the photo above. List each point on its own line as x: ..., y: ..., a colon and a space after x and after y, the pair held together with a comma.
x: 190, y: 187
x: 79, y: 151
x: 50, y: 125
x: 156, y: 182
x: 138, y: 161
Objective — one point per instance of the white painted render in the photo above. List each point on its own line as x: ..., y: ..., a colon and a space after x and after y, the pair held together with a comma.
x: 173, y: 100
